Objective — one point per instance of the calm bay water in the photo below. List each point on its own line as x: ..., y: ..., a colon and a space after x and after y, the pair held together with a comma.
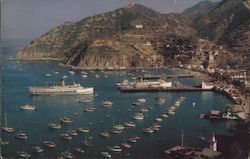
x: 18, y: 76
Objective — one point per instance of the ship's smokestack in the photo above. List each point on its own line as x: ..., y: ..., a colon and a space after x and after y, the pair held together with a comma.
x: 62, y: 83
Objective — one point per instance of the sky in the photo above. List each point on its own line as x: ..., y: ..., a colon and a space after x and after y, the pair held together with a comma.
x: 28, y: 19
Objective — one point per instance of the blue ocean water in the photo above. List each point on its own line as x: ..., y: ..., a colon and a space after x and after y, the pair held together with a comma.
x: 17, y: 76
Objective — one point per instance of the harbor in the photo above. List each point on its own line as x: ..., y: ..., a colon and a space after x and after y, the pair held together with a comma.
x: 107, y: 118
x: 105, y: 123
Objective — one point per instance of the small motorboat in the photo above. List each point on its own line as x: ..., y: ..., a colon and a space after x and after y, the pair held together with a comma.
x: 138, y: 116
x: 90, y: 109
x: 126, y: 145
x: 148, y: 130
x: 129, y: 124
x: 115, y: 148
x: 22, y: 136
x: 72, y: 72
x: 54, y: 126
x: 28, y: 107
x: 158, y: 119
x: 141, y: 100
x: 105, y: 134
x: 107, y: 104
x: 171, y: 112
x: 84, y: 130
x: 37, y: 149
x: 119, y: 127
x: 137, y: 103
x: 144, y: 110
x: 79, y: 150
x: 156, y: 125
x: 72, y: 132
x: 164, y: 115
x: 84, y: 76
x: 106, y: 154
x: 87, y: 143
x: 66, y: 120
x: 116, y: 131
x: 132, y: 140
x: 155, y: 128
x: 67, y: 155
x: 160, y: 101
x: 49, y: 144
x: 66, y: 136
x: 23, y: 154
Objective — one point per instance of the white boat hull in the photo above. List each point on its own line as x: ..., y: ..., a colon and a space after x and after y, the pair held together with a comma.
x: 60, y: 91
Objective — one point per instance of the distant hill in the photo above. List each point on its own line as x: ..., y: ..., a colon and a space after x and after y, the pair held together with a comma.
x: 136, y: 36
x: 226, y: 23
x: 201, y: 7
x: 114, y: 39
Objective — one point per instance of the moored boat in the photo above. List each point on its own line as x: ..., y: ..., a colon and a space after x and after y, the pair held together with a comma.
x: 160, y: 101
x: 126, y: 145
x: 119, y: 127
x: 23, y: 154
x: 115, y: 148
x: 8, y: 129
x: 138, y: 116
x: 49, y: 144
x: 164, y: 115
x: 158, y: 119
x: 116, y: 131
x: 2, y: 142
x: 87, y: 143
x: 106, y: 154
x: 143, y: 110
x: 28, y: 107
x: 72, y: 132
x: 54, y: 126
x: 105, y: 134
x: 134, y: 139
x: 5, y: 128
x: 129, y: 124
x: 37, y: 149
x: 142, y: 100
x: 84, y: 130
x: 107, y: 104
x: 67, y: 155
x: 148, y: 130
x: 91, y: 109
x: 22, y: 136
x: 66, y: 120
x: 79, y: 150
x: 66, y: 136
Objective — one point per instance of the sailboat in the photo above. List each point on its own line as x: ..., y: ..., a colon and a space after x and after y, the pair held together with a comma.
x: 2, y: 142
x: 125, y: 144
x: 201, y: 137
x: 5, y: 127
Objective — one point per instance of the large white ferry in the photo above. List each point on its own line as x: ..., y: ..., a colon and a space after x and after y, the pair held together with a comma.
x: 62, y: 89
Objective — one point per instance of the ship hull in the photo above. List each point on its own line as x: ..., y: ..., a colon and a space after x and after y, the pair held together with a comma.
x: 55, y: 91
